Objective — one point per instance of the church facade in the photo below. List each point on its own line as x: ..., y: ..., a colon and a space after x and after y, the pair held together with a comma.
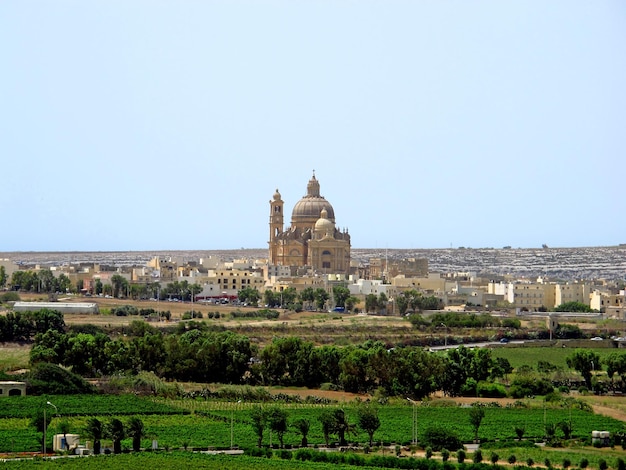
x: 312, y: 238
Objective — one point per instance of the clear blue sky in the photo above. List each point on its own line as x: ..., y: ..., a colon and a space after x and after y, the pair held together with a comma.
x: 146, y: 125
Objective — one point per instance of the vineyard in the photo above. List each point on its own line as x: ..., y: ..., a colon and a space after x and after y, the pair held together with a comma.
x: 85, y: 405
x: 203, y: 424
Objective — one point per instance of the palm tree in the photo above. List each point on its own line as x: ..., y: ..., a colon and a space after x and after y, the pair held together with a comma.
x: 136, y: 431
x: 342, y: 426
x: 64, y: 427
x: 95, y: 431
x: 303, y: 426
x: 116, y: 432
x: 259, y: 421
x: 277, y: 420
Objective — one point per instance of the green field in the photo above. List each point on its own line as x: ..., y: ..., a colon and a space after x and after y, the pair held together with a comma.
x: 77, y: 405
x: 210, y: 424
x: 519, y: 356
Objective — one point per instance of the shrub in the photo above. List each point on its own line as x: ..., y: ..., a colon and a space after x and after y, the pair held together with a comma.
x: 51, y: 379
x: 553, y: 397
x: 285, y: 454
x: 619, y: 464
x: 490, y: 390
x: 303, y: 454
x: 9, y: 297
x: 88, y: 329
x: 478, y: 456
x: 429, y: 452
x: 530, y: 462
x: 125, y: 310
x: 460, y: 455
x: 494, y: 458
x: 527, y: 385
x: 439, y: 438
x: 547, y: 462
x: 512, y: 459
x: 602, y: 465
x: 584, y: 463
x: 445, y: 455
x: 469, y: 388
x: 566, y: 463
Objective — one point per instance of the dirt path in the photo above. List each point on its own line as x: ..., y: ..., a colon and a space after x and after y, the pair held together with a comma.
x: 610, y: 412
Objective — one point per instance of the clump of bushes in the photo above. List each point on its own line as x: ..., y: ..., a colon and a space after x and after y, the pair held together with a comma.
x: 268, y: 313
x: 490, y: 390
x: 9, y: 297
x: 523, y: 387
x: 438, y: 438
x: 124, y: 310
x: 191, y: 315
x: 51, y: 379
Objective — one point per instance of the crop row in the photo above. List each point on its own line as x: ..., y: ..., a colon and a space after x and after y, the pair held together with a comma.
x: 177, y: 460
x: 287, y: 461
x: 77, y: 405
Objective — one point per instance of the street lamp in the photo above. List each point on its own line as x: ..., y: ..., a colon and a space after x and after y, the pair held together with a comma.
x: 45, y: 424
x: 414, y: 430
x: 446, y: 334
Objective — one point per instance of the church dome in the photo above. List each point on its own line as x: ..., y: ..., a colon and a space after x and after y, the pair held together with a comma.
x: 308, y: 209
x: 323, y: 225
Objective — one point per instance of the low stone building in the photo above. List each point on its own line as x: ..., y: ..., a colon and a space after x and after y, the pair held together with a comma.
x: 11, y: 389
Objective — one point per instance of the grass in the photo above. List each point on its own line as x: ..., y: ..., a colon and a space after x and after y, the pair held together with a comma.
x: 519, y: 356
x: 14, y: 357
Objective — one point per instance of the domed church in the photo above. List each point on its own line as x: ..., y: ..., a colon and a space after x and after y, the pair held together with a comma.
x: 312, y: 239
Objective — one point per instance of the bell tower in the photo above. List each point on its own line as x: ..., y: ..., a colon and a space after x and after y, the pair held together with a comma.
x: 276, y: 222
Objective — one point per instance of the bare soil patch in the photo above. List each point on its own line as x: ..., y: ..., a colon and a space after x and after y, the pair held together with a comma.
x: 329, y: 394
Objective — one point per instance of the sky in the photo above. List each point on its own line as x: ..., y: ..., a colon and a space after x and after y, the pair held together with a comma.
x: 168, y: 125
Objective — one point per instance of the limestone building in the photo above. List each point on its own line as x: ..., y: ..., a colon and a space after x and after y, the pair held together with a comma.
x: 312, y: 238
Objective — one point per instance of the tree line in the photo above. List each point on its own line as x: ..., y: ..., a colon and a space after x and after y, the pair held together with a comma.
x: 198, y: 354
x: 24, y: 326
